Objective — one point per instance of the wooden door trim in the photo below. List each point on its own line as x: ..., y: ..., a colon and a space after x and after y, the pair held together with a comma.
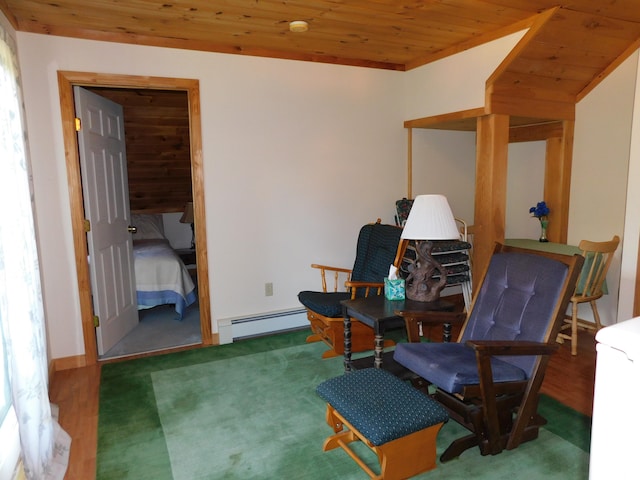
x: 66, y: 81
x: 636, y: 296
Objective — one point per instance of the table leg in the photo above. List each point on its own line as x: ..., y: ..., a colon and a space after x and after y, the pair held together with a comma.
x: 347, y: 343
x: 446, y: 332
x: 379, y: 347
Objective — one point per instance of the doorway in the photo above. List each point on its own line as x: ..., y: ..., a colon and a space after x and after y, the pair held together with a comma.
x: 66, y: 81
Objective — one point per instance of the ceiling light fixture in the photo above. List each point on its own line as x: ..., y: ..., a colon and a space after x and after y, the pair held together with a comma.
x: 298, y: 26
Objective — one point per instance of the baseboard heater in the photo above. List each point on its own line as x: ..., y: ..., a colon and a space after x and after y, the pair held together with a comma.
x: 268, y: 323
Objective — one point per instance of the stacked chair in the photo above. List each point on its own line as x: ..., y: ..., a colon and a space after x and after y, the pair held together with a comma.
x: 454, y: 255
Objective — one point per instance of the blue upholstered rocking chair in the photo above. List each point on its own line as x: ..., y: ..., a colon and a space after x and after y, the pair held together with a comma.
x: 490, y: 379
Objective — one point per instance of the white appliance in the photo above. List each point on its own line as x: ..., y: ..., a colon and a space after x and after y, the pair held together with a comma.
x: 615, y: 433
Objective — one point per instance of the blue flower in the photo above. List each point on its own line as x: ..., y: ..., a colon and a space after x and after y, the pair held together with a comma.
x: 540, y: 210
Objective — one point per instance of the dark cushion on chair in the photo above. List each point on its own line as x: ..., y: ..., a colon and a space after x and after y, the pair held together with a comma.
x: 381, y: 406
x: 516, y: 301
x: 376, y: 251
x: 451, y: 366
x: 326, y: 304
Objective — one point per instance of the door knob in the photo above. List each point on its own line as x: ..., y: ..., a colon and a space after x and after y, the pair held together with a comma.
x: 132, y: 229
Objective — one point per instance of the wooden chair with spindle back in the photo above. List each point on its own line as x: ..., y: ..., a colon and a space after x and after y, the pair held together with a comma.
x: 590, y: 287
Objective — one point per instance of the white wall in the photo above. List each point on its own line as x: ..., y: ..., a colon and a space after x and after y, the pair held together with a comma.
x: 456, y: 82
x: 297, y: 156
x: 444, y: 162
x: 600, y: 161
x: 525, y: 188
x: 601, y: 171
x: 632, y: 216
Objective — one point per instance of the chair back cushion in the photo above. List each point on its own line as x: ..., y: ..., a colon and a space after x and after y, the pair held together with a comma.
x: 517, y: 301
x: 375, y: 252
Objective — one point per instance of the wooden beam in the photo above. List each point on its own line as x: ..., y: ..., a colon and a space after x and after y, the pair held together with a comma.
x: 533, y: 133
x: 557, y: 182
x: 530, y: 107
x: 491, y: 187
x: 464, y: 120
x: 409, y: 163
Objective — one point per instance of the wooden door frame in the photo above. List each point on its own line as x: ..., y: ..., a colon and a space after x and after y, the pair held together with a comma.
x: 66, y: 81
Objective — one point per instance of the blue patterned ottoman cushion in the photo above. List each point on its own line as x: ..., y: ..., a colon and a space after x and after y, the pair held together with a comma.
x: 381, y: 406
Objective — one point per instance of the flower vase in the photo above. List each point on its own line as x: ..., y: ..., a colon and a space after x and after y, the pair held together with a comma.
x: 543, y: 230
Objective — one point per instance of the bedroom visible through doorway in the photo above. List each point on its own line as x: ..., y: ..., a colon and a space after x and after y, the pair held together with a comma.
x: 190, y: 88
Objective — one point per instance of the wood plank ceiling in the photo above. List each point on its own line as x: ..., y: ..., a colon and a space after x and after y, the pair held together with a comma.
x: 569, y: 48
x: 396, y: 35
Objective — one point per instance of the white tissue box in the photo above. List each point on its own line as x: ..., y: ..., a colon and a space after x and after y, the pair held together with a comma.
x: 394, y: 289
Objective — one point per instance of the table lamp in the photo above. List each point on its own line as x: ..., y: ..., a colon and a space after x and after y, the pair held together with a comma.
x: 187, y: 217
x: 430, y: 218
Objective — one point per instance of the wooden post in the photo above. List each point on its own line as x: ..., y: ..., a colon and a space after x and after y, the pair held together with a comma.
x: 491, y: 187
x: 409, y: 162
x: 557, y: 181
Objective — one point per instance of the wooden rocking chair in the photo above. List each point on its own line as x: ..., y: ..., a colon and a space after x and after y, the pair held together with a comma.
x: 379, y: 246
x: 489, y: 380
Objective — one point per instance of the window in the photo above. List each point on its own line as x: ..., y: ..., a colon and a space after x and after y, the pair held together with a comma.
x: 9, y: 434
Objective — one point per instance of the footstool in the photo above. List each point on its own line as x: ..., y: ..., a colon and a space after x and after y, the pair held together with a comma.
x: 396, y: 421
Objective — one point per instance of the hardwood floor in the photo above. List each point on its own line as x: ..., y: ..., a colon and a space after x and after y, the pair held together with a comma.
x: 569, y: 379
x: 75, y: 392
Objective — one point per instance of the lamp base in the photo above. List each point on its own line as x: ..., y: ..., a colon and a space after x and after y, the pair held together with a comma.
x: 420, y: 284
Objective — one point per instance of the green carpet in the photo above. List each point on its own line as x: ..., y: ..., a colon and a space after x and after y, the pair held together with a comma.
x: 249, y: 411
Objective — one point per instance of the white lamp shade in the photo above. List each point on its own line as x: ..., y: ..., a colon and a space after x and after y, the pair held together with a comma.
x: 430, y: 218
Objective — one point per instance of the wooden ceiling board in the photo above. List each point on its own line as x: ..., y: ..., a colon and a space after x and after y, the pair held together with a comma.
x: 386, y: 34
x: 562, y: 55
x: 570, y: 46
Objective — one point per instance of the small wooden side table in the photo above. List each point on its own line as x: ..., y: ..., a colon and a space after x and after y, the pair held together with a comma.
x: 381, y: 314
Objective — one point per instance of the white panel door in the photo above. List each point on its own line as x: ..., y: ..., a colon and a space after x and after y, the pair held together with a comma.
x: 103, y: 165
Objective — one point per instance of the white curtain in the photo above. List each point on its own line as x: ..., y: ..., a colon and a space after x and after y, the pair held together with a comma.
x: 44, y: 445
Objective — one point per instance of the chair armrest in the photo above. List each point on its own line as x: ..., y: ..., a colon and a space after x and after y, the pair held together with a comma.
x: 368, y: 287
x: 414, y: 320
x: 336, y: 272
x: 500, y: 347
x: 331, y: 269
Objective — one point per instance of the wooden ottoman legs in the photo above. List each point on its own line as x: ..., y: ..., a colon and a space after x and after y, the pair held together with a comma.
x: 399, y: 459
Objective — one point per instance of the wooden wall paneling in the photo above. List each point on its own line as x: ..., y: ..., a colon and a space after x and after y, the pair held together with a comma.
x: 491, y: 187
x: 156, y: 124
x: 636, y: 302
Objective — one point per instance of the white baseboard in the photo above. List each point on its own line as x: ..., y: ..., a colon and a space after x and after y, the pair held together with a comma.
x: 239, y: 328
